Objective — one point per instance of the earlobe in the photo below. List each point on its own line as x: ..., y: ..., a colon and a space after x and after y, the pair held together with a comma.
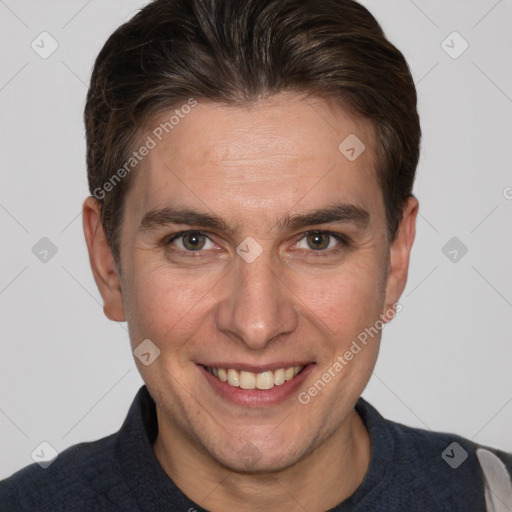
x: 102, y: 261
x: 399, y: 254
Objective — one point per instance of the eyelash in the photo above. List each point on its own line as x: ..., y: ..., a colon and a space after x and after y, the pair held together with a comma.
x: 343, y: 243
x: 343, y: 240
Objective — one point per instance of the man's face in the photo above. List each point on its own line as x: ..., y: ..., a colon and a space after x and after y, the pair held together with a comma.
x: 251, y: 243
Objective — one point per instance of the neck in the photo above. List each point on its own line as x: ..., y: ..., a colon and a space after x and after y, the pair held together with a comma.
x: 318, y: 482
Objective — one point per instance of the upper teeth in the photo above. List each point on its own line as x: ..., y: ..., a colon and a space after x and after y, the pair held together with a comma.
x: 249, y: 380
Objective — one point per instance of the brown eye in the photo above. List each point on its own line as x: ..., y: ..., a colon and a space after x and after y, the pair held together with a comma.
x: 318, y: 241
x: 322, y: 243
x: 190, y: 241
x: 193, y: 241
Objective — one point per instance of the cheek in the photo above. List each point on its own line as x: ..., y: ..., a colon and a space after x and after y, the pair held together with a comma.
x: 165, y: 306
x: 346, y: 300
x: 168, y: 311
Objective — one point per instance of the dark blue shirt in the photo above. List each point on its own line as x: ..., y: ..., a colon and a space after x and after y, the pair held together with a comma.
x: 410, y: 470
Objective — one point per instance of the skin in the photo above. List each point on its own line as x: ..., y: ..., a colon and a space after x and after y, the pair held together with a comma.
x: 255, y: 167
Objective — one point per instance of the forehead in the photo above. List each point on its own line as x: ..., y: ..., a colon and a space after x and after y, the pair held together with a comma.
x: 273, y: 154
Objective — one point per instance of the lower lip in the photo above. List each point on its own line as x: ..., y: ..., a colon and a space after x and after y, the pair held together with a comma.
x: 257, y: 397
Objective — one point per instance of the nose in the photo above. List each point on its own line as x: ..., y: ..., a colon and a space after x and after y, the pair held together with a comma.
x: 257, y: 307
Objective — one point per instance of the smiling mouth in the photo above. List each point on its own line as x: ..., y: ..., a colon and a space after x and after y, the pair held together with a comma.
x: 249, y: 380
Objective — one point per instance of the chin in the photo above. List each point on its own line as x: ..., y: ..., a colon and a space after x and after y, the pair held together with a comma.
x: 249, y: 460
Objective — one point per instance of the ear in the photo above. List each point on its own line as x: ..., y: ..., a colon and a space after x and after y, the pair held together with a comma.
x: 399, y: 253
x: 102, y: 261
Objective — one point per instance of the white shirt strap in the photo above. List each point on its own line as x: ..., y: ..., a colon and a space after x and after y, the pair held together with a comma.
x: 498, y: 484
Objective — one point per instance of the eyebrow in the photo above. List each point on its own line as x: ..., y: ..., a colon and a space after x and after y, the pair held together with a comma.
x: 161, y: 218
x: 341, y: 213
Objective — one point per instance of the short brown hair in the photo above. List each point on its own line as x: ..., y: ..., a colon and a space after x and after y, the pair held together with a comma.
x: 238, y: 51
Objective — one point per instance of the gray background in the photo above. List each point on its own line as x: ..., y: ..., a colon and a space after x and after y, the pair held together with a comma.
x: 66, y: 372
